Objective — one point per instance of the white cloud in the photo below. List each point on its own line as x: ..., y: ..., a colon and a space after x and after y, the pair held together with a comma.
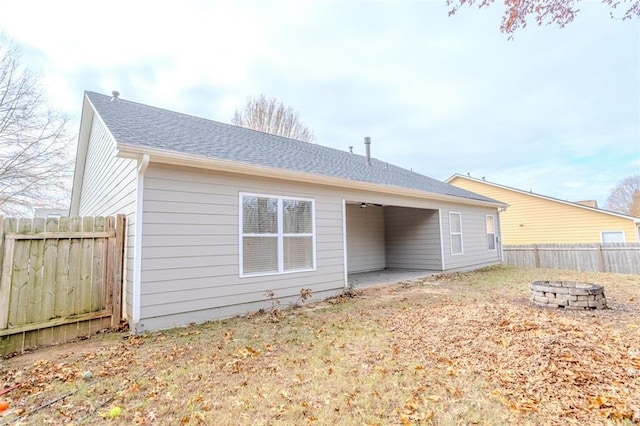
x: 556, y: 110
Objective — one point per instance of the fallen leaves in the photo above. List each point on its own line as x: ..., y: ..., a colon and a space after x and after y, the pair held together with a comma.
x: 536, y: 360
x: 410, y: 354
x: 415, y: 410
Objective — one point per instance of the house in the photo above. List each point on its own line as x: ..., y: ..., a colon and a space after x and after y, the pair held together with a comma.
x: 538, y: 219
x: 47, y: 213
x: 220, y: 217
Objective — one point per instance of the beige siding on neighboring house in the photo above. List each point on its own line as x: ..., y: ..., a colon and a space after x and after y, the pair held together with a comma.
x: 412, y: 238
x: 109, y: 188
x: 365, y: 238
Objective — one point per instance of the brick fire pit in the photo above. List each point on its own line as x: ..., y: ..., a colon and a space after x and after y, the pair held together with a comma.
x: 567, y: 295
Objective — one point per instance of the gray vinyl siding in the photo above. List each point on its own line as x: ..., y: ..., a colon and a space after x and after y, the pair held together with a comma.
x: 412, y: 238
x: 190, y: 247
x: 365, y: 238
x: 474, y: 238
x: 109, y: 188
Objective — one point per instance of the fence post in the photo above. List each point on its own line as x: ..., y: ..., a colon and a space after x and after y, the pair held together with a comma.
x: 6, y: 252
x: 116, y: 315
x: 601, y: 265
x: 536, y: 255
x: 1, y: 242
x: 4, y: 293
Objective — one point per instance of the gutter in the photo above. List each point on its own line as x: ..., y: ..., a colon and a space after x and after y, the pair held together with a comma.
x: 189, y: 160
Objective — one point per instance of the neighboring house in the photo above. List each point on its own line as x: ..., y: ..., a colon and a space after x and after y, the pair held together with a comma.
x: 220, y: 217
x: 537, y: 219
x: 47, y: 213
x: 588, y: 203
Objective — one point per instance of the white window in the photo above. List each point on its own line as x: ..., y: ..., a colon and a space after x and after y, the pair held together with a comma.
x: 277, y: 234
x: 491, y: 232
x: 455, y: 230
x: 613, y: 237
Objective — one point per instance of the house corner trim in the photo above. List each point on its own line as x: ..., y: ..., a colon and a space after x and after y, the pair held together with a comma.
x: 441, y: 240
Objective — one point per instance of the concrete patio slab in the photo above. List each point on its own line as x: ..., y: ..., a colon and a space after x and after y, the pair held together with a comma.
x: 388, y: 276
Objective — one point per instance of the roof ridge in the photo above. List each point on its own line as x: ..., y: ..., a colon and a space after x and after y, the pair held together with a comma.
x: 221, y: 123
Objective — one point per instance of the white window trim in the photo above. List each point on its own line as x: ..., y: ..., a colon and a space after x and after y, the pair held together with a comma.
x: 280, y: 235
x: 624, y: 235
x: 495, y: 236
x: 451, y: 234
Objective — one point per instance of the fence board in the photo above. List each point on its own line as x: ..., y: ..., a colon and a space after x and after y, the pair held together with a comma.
x: 60, y: 279
x: 621, y: 258
x: 35, y: 283
x: 115, y: 263
x: 5, y: 284
x: 62, y: 270
x: 86, y: 269
x: 75, y: 263
x: 18, y: 303
x: 98, y: 274
x: 46, y: 235
x: 10, y: 225
x: 49, y: 270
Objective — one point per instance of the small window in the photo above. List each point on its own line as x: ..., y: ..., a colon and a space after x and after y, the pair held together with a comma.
x: 277, y: 235
x: 491, y: 232
x: 613, y: 237
x: 455, y: 231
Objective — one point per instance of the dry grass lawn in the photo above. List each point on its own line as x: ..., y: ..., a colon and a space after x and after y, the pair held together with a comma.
x: 455, y: 349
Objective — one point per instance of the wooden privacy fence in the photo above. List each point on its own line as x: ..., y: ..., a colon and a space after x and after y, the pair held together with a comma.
x: 623, y: 258
x: 61, y: 278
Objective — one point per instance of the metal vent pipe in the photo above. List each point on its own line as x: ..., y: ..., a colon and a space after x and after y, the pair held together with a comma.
x: 367, y: 145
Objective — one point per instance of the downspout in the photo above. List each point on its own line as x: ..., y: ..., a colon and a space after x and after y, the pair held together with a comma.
x: 344, y: 243
x: 143, y: 163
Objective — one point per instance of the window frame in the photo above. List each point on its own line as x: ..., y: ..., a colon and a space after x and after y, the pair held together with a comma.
x: 451, y: 233
x: 280, y: 235
x: 495, y: 236
x: 624, y: 237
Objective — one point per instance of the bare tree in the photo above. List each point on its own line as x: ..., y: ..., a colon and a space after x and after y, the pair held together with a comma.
x: 35, y: 163
x: 547, y: 12
x: 625, y: 197
x: 272, y: 116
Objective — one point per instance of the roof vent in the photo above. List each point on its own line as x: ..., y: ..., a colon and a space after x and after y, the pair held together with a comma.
x: 351, y: 149
x: 115, y: 96
x: 367, y: 145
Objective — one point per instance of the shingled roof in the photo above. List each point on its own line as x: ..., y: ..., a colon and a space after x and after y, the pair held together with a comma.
x: 146, y: 126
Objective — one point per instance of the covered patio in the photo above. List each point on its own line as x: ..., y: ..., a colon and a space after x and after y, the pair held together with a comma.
x: 388, y: 244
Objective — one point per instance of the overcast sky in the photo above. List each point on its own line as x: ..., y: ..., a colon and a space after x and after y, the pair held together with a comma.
x: 556, y: 111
